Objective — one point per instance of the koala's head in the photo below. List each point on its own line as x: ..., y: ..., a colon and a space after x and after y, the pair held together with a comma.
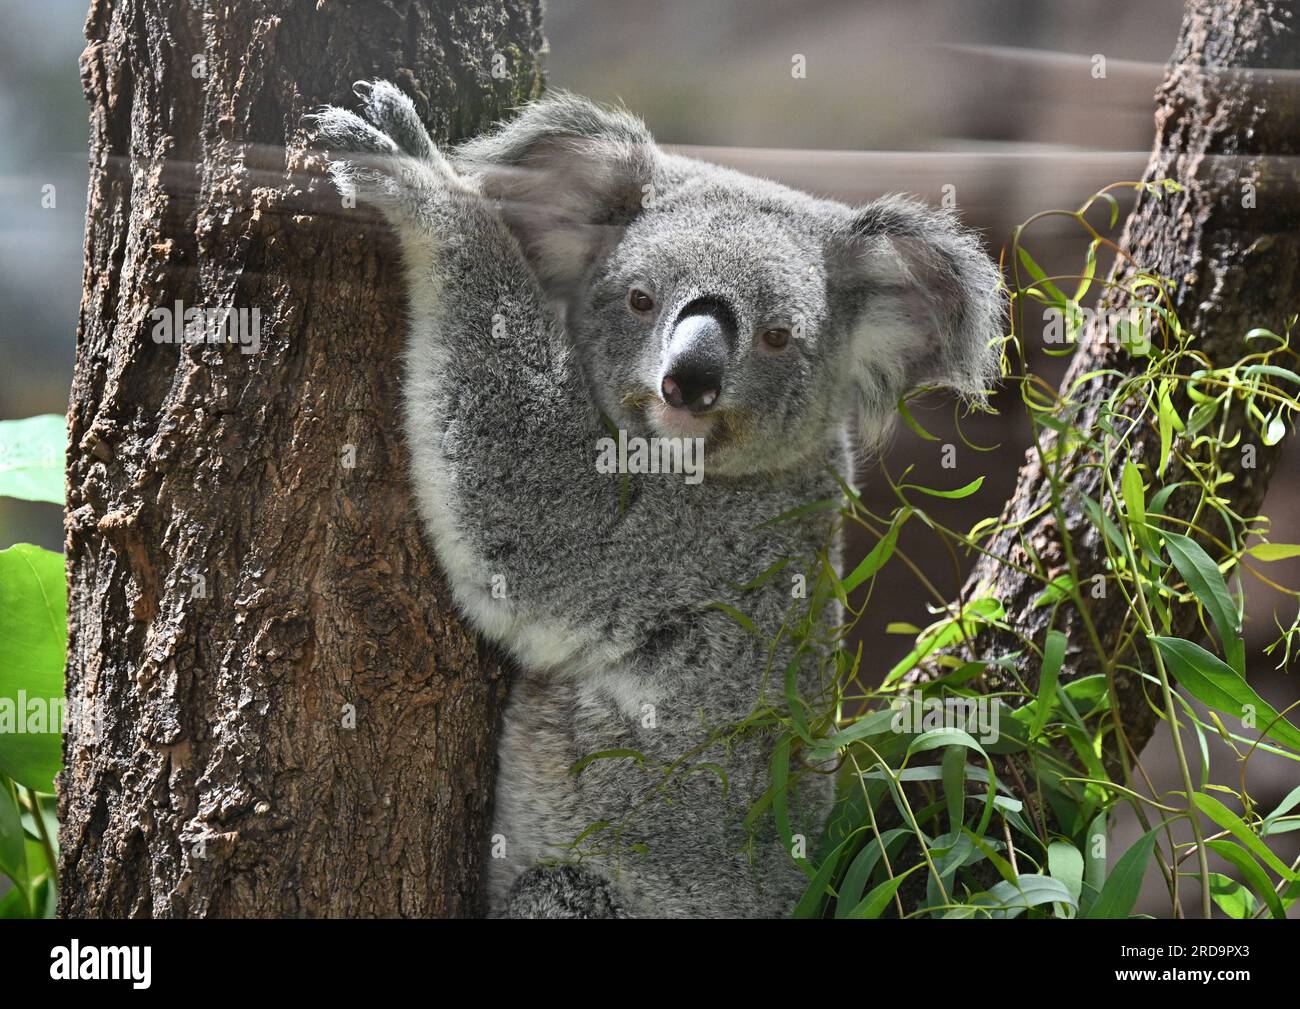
x: 702, y: 302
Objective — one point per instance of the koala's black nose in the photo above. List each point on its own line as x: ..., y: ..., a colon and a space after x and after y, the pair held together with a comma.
x: 694, y: 389
x: 697, y: 355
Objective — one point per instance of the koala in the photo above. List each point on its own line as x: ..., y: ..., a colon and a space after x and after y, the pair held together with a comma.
x: 568, y: 279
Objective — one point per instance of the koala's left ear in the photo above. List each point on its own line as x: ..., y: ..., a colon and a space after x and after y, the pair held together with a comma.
x: 927, y: 305
x: 568, y: 176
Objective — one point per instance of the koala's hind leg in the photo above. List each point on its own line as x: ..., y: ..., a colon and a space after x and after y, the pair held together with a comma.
x: 562, y: 892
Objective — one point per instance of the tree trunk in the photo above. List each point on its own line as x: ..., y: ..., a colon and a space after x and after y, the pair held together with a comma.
x: 1227, y: 127
x: 294, y: 720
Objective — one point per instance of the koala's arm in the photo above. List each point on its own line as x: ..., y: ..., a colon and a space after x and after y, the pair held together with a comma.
x: 500, y: 424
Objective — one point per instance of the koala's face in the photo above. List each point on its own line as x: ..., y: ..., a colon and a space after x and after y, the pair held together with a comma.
x: 704, y: 303
x: 709, y: 320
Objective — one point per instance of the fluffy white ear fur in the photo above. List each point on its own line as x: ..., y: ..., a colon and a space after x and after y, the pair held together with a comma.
x: 931, y: 309
x: 568, y: 177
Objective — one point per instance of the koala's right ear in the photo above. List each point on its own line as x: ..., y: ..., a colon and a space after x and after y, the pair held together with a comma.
x: 568, y: 176
x: 928, y: 306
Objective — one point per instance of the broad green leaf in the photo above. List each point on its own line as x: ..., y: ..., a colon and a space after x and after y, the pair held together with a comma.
x: 38, y: 864
x: 1053, y: 293
x: 1031, y: 890
x: 1285, y: 806
x: 861, y: 868
x: 1120, y: 891
x: 868, y: 725
x: 31, y: 458
x: 1134, y: 499
x: 1201, y: 416
x: 1207, y: 584
x: 1111, y: 202
x: 878, y: 899
x: 794, y: 703
x: 33, y: 640
x: 1156, y: 506
x: 1103, y: 522
x: 1217, y: 685
x: 813, y: 897
x: 879, y: 554
x: 912, y: 422
x: 985, y: 846
x: 1274, y: 551
x: 13, y: 862
x: 945, y: 632
x: 954, y: 785
x: 1237, y: 827
x: 1232, y: 898
x: 949, y: 853
x: 1252, y: 875
x: 936, y: 738
x: 1053, y: 656
x: 1057, y: 589
x: 1089, y: 271
x: 45, y: 899
x: 14, y: 905
x: 1169, y: 422
x: 1094, y: 870
x: 1065, y: 863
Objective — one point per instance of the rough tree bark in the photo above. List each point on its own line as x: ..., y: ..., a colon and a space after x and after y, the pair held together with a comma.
x: 295, y: 722
x: 1227, y: 117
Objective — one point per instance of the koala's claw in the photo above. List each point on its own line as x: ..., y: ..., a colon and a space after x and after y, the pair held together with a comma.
x: 393, y: 113
x: 383, y: 154
x: 347, y: 133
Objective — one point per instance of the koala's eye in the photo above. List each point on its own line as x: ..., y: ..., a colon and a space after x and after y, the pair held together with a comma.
x: 639, y: 301
x: 776, y: 339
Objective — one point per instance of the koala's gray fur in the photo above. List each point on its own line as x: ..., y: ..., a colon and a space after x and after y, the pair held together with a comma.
x: 520, y: 249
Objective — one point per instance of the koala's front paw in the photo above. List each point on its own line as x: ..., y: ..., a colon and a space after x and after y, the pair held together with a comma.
x: 387, y: 125
x: 564, y: 892
x: 394, y: 115
x: 383, y: 155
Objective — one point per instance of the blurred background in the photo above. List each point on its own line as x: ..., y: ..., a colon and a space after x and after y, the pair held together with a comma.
x: 996, y: 104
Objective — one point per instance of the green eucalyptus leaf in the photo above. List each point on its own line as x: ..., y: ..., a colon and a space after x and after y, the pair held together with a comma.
x: 1217, y: 685
x: 13, y: 861
x: 1120, y: 891
x: 1251, y: 873
x: 1065, y: 863
x: 31, y: 458
x: 1238, y: 828
x: 1231, y: 897
x: 1207, y: 584
x: 33, y: 642
x: 878, y: 899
